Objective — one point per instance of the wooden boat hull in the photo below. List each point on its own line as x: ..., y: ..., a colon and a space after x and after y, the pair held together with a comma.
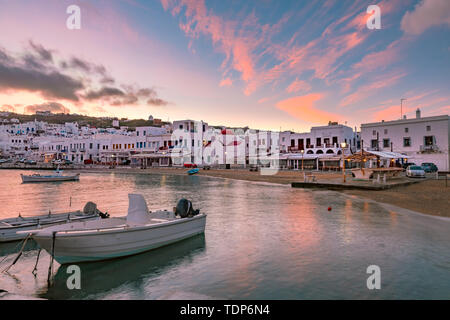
x: 37, y: 178
x: 108, y: 243
x: 10, y: 227
x: 192, y: 171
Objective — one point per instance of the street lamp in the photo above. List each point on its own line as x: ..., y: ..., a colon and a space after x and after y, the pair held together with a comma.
x: 302, y: 151
x: 343, y: 145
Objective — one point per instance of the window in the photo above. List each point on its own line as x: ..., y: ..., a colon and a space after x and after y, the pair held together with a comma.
x: 406, y: 130
x: 374, y: 132
x: 137, y: 133
x: 385, y: 131
x: 318, y: 142
x: 374, y: 144
x: 386, y: 143
x: 407, y: 142
x: 429, y: 140
x: 335, y: 140
x: 428, y: 128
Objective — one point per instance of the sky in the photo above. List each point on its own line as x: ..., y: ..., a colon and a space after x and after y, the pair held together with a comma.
x: 265, y: 64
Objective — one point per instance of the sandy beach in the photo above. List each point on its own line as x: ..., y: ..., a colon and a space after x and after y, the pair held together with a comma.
x: 428, y: 196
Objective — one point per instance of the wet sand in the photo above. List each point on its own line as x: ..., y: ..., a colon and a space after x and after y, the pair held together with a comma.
x: 429, y: 196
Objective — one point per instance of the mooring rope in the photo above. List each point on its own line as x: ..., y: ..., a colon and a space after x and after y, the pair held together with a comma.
x: 7, y: 256
x: 19, y: 254
x: 50, y: 267
x: 34, y: 272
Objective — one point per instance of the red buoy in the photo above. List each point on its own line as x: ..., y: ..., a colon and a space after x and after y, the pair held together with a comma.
x: 329, y: 208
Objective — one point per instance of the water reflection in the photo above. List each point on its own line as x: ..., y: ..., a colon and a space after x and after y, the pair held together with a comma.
x: 7, y: 248
x: 261, y: 242
x: 100, y: 277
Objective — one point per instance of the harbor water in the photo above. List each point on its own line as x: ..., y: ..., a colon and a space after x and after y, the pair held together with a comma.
x: 262, y: 241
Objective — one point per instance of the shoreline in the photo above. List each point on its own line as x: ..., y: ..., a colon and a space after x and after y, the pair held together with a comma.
x: 415, y: 197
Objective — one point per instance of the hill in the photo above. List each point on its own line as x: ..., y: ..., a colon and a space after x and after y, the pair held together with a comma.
x: 83, y: 120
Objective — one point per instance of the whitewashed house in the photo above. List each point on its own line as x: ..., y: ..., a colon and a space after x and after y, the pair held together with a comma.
x: 423, y: 139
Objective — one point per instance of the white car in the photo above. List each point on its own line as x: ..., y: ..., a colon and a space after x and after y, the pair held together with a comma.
x: 415, y: 172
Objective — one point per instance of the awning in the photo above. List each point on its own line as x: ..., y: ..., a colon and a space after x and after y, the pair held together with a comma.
x: 331, y: 159
x: 388, y: 154
x: 150, y: 155
x: 300, y: 157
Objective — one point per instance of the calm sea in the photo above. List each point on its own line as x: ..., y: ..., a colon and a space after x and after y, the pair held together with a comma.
x: 262, y: 241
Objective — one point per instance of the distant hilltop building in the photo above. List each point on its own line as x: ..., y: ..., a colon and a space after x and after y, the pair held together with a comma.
x: 150, y: 118
x: 115, y: 123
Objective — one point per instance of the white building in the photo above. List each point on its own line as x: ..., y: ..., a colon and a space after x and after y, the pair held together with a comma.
x: 423, y: 139
x: 320, y: 140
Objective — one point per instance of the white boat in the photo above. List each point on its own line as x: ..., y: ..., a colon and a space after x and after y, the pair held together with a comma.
x: 50, y: 178
x: 13, y: 229
x: 137, y: 232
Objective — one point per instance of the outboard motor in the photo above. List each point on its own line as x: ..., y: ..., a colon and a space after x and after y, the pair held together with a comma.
x: 184, y: 209
x: 91, y: 209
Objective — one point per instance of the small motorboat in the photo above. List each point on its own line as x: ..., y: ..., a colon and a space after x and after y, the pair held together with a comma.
x: 49, y: 178
x: 115, y: 237
x: 57, y: 177
x: 12, y: 229
x: 192, y: 171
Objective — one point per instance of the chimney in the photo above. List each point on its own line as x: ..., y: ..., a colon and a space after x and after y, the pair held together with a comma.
x: 418, y: 113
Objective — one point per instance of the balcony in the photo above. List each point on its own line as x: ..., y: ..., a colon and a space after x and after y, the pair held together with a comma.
x: 429, y: 149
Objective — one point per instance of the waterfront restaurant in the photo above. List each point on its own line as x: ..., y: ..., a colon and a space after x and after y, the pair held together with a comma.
x: 146, y: 160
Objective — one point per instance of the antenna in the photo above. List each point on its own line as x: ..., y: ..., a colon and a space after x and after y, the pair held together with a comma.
x: 401, y: 107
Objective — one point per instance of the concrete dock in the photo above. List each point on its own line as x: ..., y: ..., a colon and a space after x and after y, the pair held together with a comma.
x: 355, y: 184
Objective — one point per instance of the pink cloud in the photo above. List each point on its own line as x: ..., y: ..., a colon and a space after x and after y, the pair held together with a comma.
x: 391, y: 112
x: 298, y: 85
x: 244, y: 44
x: 426, y: 14
x: 370, y: 88
x: 304, y: 108
x: 226, y: 82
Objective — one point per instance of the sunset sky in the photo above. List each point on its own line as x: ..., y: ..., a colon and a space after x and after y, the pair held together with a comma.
x: 258, y: 63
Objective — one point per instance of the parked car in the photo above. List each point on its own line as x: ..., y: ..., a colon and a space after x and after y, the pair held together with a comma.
x: 429, y: 167
x: 415, y: 172
x: 31, y: 162
x: 407, y: 164
x: 68, y: 162
x: 57, y: 161
x: 5, y: 160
